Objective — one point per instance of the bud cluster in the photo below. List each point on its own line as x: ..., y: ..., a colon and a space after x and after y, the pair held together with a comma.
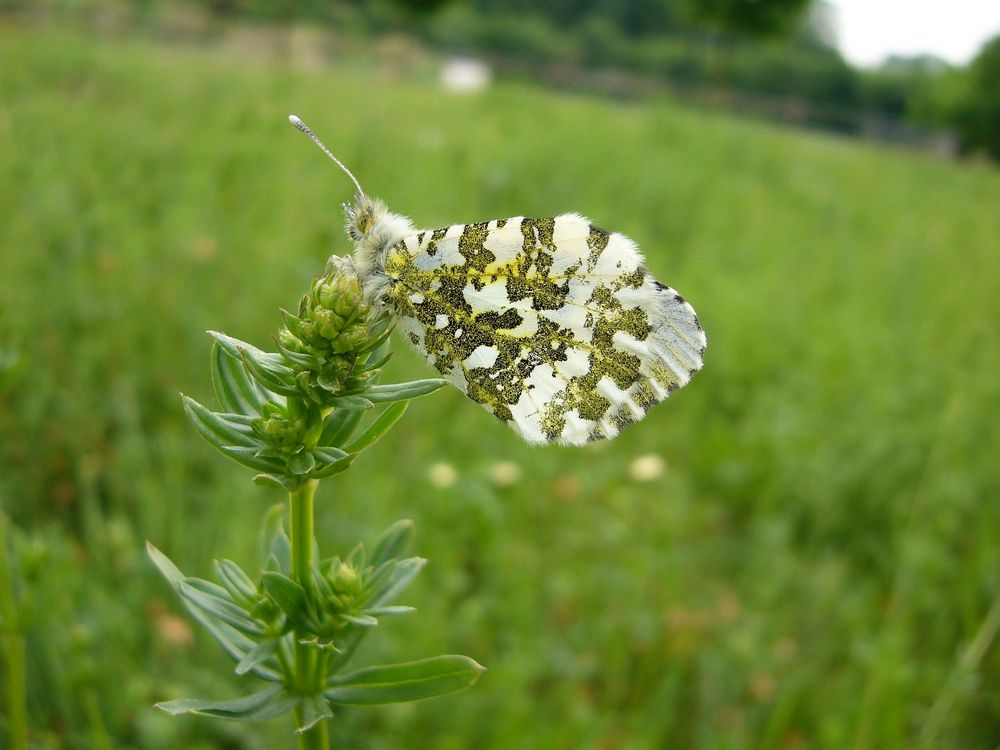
x: 291, y: 415
x: 345, y: 591
x: 340, y: 600
x: 285, y: 433
x: 329, y: 342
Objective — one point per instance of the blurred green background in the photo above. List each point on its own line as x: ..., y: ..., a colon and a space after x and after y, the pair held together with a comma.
x: 799, y: 550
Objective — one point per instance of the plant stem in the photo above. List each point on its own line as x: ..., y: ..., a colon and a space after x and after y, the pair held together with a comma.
x: 13, y: 651
x: 307, y: 678
x: 317, y: 738
x: 300, y: 510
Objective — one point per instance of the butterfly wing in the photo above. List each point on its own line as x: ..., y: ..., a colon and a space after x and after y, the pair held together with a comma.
x: 553, y: 325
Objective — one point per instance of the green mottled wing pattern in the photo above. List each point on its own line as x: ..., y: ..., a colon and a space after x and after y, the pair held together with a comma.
x: 553, y: 325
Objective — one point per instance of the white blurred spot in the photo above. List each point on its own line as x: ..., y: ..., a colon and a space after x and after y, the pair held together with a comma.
x: 647, y: 468
x: 505, y: 473
x: 465, y: 75
x: 442, y: 475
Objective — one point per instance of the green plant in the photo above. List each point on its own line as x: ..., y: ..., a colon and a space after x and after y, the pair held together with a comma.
x: 294, y: 417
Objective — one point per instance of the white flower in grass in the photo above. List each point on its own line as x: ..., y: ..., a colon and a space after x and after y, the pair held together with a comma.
x: 647, y: 468
x: 505, y: 473
x: 442, y: 475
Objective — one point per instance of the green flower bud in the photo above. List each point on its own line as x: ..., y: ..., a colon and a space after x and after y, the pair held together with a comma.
x: 337, y: 368
x: 351, y: 338
x: 284, y: 433
x: 310, y: 333
x: 328, y: 324
x: 333, y: 328
x: 346, y: 581
x: 349, y: 591
x: 291, y: 342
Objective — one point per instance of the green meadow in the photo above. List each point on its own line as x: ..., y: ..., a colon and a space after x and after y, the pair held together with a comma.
x: 806, y: 555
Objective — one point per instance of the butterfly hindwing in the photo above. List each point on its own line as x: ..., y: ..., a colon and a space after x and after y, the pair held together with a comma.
x: 552, y: 324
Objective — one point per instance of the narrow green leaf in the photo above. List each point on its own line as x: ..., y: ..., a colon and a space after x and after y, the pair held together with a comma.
x: 235, y: 643
x: 272, y: 527
x: 215, y: 428
x: 163, y: 563
x: 270, y: 702
x: 231, y: 346
x: 249, y: 458
x: 281, y: 551
x: 397, y: 577
x: 401, y: 391
x: 384, y: 323
x: 315, y: 708
x: 322, y: 590
x: 389, y: 611
x: 376, y: 364
x: 220, y: 609
x: 339, y: 426
x: 379, y: 427
x: 394, y: 542
x: 242, y: 422
x: 293, y: 323
x: 290, y: 597
x: 341, y: 464
x: 301, y: 463
x: 257, y: 655
x: 377, y: 339
x: 207, y: 587
x: 273, y: 375
x: 267, y: 368
x: 398, y: 683
x: 329, y: 383
x: 351, y: 402
x: 329, y: 453
x: 303, y: 361
x: 356, y: 557
x: 271, y: 480
x: 234, y: 389
x: 363, y: 620
x: 236, y: 582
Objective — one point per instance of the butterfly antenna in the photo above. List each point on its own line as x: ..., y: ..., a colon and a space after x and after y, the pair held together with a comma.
x: 308, y: 131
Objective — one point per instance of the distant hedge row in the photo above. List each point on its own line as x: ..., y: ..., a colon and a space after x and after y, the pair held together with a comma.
x: 775, y: 56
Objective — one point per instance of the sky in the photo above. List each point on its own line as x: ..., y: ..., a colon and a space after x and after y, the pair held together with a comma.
x: 870, y: 30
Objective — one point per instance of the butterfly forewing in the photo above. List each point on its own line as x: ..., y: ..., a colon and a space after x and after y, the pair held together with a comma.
x: 553, y: 325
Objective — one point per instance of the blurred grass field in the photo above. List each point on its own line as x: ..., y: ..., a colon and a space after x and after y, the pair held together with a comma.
x: 818, y: 566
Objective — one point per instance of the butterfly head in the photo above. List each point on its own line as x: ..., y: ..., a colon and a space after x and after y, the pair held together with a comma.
x: 362, y: 216
x: 371, y: 226
x: 374, y: 229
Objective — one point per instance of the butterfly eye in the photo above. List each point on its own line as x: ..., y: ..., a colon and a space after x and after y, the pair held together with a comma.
x: 365, y: 223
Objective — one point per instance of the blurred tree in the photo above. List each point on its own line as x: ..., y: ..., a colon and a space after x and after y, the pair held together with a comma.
x: 631, y: 17
x: 747, y: 17
x: 977, y: 115
x: 638, y: 17
x: 819, y: 27
x: 421, y: 6
x: 896, y: 88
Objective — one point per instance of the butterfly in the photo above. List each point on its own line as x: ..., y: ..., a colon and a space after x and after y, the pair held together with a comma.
x: 553, y: 325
